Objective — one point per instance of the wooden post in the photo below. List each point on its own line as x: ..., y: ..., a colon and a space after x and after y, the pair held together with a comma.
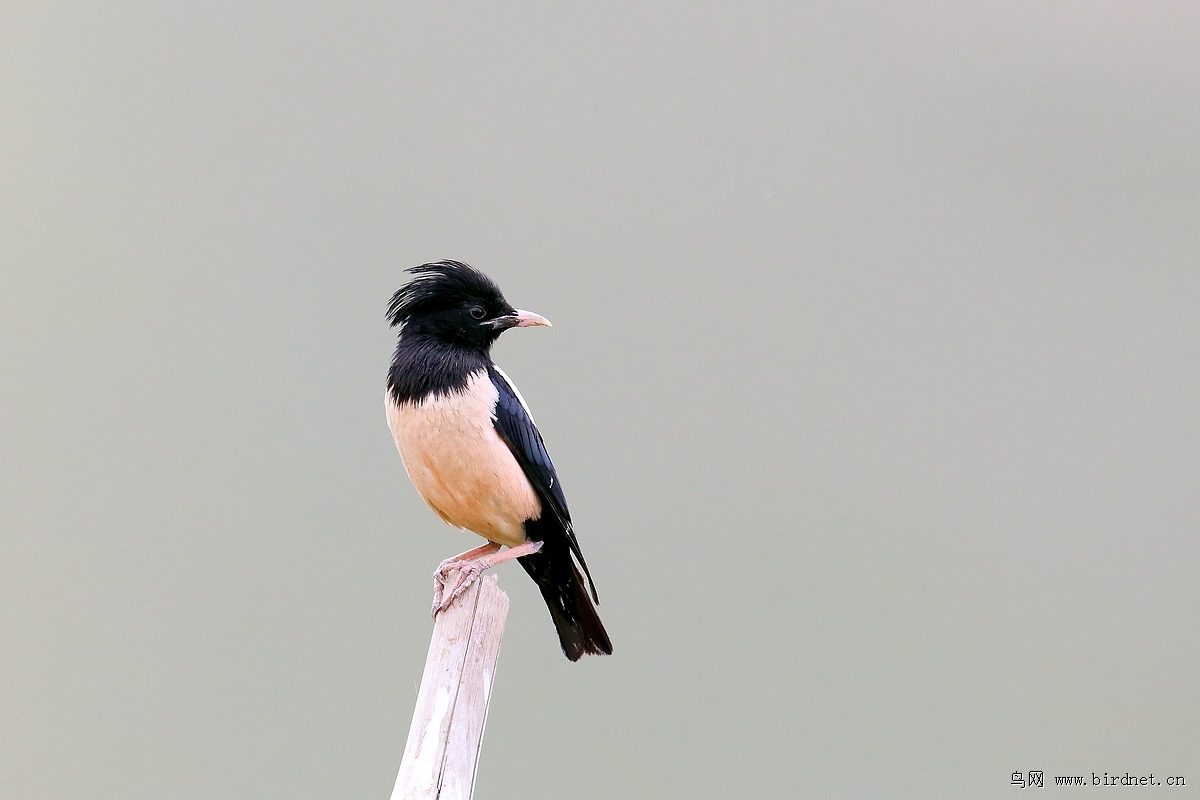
x: 447, y: 725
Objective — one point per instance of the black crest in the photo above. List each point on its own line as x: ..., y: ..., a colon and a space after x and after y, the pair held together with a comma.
x: 441, y: 285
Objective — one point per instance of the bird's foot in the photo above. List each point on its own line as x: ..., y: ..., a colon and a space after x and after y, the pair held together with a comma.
x: 467, y: 567
x: 441, y: 575
x: 464, y: 575
x: 449, y: 572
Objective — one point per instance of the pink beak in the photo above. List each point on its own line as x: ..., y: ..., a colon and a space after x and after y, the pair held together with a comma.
x: 528, y: 319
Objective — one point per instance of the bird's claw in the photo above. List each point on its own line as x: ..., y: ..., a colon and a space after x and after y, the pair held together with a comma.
x: 466, y: 573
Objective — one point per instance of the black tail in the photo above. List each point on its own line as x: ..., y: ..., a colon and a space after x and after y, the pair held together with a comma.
x: 579, y: 628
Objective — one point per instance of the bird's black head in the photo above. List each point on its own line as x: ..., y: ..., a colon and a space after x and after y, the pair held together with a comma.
x: 455, y: 303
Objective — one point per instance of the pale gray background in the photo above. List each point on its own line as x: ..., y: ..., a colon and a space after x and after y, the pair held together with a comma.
x: 873, y: 385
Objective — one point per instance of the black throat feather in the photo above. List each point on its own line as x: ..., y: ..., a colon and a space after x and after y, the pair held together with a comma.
x: 425, y: 365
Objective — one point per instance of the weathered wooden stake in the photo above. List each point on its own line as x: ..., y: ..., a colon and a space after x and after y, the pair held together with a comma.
x: 447, y: 725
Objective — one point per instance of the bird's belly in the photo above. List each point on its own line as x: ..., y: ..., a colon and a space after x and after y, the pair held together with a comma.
x: 461, y: 466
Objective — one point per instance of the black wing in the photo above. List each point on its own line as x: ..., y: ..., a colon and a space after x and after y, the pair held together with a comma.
x: 516, y: 428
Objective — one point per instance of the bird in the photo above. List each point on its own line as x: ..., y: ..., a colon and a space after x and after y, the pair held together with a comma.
x: 472, y: 451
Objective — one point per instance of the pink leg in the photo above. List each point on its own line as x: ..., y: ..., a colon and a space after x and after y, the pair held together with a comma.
x: 455, y: 563
x: 469, y: 570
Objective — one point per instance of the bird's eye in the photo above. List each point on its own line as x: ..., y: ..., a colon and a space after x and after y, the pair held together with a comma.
x: 477, y: 312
